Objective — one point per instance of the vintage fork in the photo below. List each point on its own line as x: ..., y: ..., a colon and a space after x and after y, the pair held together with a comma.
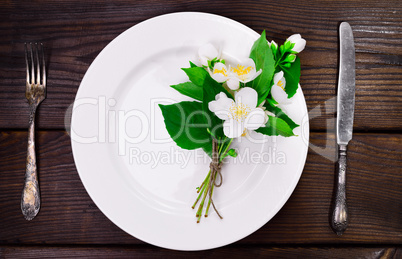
x: 35, y: 93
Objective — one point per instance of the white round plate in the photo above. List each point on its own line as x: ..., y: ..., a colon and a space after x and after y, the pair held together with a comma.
x: 137, y: 176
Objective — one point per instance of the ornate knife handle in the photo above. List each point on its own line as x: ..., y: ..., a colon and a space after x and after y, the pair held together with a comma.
x: 339, y: 221
x: 30, y: 199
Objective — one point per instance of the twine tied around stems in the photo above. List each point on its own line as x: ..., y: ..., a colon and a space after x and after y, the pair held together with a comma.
x: 215, y: 167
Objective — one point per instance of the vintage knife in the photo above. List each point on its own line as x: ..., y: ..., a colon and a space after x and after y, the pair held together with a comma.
x: 344, y: 123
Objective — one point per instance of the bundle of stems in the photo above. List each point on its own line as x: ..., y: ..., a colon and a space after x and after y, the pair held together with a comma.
x: 220, y: 149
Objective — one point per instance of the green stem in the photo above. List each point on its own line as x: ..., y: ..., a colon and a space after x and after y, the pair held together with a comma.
x: 199, y: 212
x: 206, y: 187
x: 209, y: 201
x: 203, y: 189
x: 220, y: 148
x: 280, y: 58
x: 199, y: 188
x: 222, y: 155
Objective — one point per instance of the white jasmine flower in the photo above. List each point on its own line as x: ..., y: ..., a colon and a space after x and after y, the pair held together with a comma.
x: 244, y: 72
x: 299, y: 42
x: 208, y: 52
x: 267, y: 113
x: 220, y: 72
x: 239, y: 115
x: 278, y: 89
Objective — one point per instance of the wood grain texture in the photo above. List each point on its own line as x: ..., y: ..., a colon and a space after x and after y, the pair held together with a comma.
x: 68, y: 215
x: 74, y: 32
x: 226, y: 252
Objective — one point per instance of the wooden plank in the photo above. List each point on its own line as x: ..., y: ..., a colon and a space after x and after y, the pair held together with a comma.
x: 226, y: 252
x: 74, y: 32
x: 68, y: 215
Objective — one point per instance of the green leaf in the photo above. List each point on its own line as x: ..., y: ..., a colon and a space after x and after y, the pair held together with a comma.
x: 186, y: 125
x: 192, y: 64
x: 208, y: 149
x: 189, y: 89
x: 261, y: 53
x: 292, y: 76
x: 271, y: 101
x: 232, y: 152
x: 210, y: 89
x: 196, y: 75
x: 280, y: 114
x: 276, y: 127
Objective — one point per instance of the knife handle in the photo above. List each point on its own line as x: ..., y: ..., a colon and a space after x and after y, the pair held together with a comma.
x: 339, y: 221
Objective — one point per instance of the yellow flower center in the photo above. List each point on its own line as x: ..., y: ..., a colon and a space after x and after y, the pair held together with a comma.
x: 280, y: 84
x: 220, y: 71
x: 244, y: 133
x: 241, y: 71
x: 239, y: 111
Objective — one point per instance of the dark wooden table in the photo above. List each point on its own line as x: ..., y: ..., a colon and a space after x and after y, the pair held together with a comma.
x: 74, y: 32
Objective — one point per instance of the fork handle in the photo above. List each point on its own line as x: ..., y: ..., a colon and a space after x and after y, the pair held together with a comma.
x: 339, y: 221
x: 30, y: 199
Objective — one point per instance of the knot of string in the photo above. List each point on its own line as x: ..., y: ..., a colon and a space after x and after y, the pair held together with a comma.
x: 215, y: 167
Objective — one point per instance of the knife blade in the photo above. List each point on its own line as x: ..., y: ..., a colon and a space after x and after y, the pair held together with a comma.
x: 344, y: 123
x: 346, y: 86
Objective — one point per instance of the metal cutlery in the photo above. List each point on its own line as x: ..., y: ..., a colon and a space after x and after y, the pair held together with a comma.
x: 35, y: 94
x: 344, y: 123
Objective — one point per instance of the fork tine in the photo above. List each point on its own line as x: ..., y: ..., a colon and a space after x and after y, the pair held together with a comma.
x: 33, y: 66
x: 26, y: 61
x: 37, y: 65
x: 43, y: 66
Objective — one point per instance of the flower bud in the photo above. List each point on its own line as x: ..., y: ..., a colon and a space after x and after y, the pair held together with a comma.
x: 299, y: 42
x: 274, y: 46
x: 290, y: 58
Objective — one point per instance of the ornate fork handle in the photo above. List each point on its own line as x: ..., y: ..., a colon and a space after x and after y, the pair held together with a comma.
x: 339, y: 221
x: 30, y: 199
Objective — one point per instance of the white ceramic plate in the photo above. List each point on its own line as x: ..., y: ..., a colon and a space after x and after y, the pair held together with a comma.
x: 136, y: 174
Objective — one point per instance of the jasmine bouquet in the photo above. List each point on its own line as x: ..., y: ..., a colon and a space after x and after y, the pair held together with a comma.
x: 230, y: 100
